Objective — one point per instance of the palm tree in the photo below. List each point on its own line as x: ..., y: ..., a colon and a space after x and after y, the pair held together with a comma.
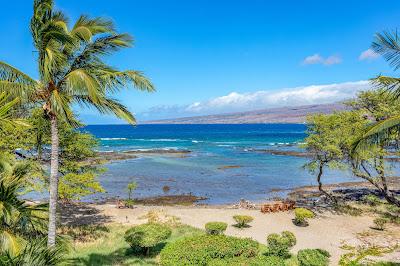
x: 386, y: 44
x: 71, y: 71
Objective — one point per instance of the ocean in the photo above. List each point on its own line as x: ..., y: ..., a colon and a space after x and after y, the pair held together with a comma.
x: 225, y: 163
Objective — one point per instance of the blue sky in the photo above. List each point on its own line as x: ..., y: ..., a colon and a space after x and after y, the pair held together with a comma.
x: 209, y: 57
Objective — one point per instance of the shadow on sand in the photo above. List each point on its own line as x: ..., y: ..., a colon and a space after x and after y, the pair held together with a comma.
x: 81, y: 214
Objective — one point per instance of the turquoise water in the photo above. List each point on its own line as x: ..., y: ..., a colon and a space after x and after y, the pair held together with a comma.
x: 212, y: 147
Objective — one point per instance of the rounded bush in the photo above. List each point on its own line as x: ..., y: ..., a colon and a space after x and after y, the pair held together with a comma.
x: 279, y: 244
x: 146, y: 236
x: 301, y: 216
x: 242, y: 220
x: 215, y: 228
x: 203, y: 249
x: 380, y: 223
x: 313, y: 257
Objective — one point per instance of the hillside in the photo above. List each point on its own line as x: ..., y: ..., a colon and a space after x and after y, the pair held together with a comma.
x: 294, y: 114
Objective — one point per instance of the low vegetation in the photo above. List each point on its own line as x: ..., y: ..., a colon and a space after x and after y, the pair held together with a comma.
x: 147, y: 236
x: 301, y: 215
x: 313, y: 257
x: 203, y: 249
x: 215, y: 228
x: 280, y: 244
x: 242, y: 221
x: 380, y: 223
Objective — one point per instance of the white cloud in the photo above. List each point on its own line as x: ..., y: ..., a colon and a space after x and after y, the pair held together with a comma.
x: 237, y: 102
x: 313, y: 59
x: 368, y: 55
x: 318, y: 59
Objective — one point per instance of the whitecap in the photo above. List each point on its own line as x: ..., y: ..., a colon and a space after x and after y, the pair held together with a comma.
x: 113, y: 138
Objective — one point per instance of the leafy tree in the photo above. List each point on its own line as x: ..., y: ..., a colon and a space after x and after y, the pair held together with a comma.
x: 331, y: 139
x: 71, y: 71
x: 79, y: 167
x: 386, y: 44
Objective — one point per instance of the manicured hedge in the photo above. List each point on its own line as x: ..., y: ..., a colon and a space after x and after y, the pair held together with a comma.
x: 146, y: 236
x: 215, y: 228
x: 203, y: 249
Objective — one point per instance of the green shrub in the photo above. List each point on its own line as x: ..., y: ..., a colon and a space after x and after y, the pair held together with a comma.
x: 242, y: 220
x: 243, y: 261
x: 146, y: 236
x: 371, y: 200
x: 313, y: 257
x: 202, y: 249
x: 301, y: 216
x: 279, y: 245
x: 129, y: 203
x: 380, y: 223
x: 215, y: 228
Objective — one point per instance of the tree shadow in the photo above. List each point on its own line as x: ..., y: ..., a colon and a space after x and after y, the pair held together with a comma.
x: 81, y: 214
x: 241, y: 226
x: 356, y: 194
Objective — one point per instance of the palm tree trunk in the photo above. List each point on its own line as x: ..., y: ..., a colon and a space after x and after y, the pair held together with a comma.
x: 51, y: 240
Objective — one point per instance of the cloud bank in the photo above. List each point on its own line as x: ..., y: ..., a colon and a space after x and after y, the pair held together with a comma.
x: 316, y: 59
x: 237, y: 102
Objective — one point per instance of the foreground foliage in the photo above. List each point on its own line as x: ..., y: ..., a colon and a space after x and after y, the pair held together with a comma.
x: 313, y: 257
x: 203, y: 249
x: 110, y: 248
x: 20, y: 222
x: 280, y: 244
x: 36, y: 253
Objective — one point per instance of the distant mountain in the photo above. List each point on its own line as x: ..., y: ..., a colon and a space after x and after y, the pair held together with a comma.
x: 294, y: 114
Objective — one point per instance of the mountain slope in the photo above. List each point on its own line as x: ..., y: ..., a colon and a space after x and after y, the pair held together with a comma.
x: 296, y: 114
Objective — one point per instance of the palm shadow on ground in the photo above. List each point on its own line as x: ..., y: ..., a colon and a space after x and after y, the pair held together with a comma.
x: 81, y: 214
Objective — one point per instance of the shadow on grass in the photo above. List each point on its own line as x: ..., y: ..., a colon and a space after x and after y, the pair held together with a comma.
x: 122, y: 256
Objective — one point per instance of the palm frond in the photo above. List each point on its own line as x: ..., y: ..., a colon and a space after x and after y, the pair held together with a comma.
x: 387, y: 44
x: 121, y: 79
x: 108, y: 106
x: 36, y: 253
x: 81, y: 82
x: 85, y: 28
x: 378, y: 132
x: 388, y: 84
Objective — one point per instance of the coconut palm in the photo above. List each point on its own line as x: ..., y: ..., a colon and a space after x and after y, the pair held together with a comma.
x: 386, y: 44
x: 71, y: 72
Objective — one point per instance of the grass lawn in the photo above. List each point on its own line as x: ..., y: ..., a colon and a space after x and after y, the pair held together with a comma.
x: 110, y: 248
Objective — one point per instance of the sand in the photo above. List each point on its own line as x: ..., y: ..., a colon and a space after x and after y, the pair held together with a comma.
x: 327, y: 231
